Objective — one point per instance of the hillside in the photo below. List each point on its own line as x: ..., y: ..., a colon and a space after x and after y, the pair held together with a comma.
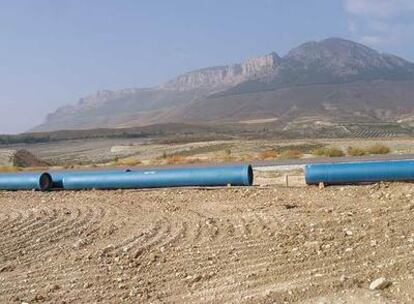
x: 330, y: 80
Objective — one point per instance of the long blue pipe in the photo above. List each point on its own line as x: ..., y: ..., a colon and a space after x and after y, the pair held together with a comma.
x: 25, y: 181
x: 360, y: 172
x: 241, y: 175
x: 57, y: 176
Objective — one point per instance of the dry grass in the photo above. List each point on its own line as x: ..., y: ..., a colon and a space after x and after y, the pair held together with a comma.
x: 175, y: 159
x: 245, y: 158
x: 129, y: 161
x: 319, y: 152
x: 268, y: 154
x: 328, y: 152
x: 334, y: 152
x: 378, y: 149
x: 194, y: 160
x: 226, y: 158
x: 355, y: 151
x: 9, y: 169
x: 291, y: 154
x: 44, y: 169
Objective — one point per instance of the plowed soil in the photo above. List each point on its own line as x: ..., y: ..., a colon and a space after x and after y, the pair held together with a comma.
x: 229, y: 245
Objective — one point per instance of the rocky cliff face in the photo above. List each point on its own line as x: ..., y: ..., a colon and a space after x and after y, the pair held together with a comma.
x: 104, y: 96
x: 224, y: 76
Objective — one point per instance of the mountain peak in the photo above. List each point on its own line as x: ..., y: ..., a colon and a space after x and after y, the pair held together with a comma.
x: 339, y: 40
x: 341, y: 60
x: 333, y: 47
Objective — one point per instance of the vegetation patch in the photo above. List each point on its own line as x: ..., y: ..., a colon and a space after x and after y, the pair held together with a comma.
x: 379, y: 149
x: 268, y: 154
x: 205, y: 149
x: 9, y: 169
x: 328, y: 152
x: 289, y: 154
x: 303, y: 148
x: 355, y: 151
x: 128, y: 161
x: 176, y: 159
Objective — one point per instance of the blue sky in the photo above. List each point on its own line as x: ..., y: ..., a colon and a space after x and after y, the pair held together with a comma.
x: 54, y: 52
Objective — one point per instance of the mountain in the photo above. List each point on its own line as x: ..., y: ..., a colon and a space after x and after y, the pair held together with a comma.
x: 224, y: 76
x: 332, y: 61
x: 330, y: 80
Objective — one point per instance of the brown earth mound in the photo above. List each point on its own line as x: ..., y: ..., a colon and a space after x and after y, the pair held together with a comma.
x: 19, y: 158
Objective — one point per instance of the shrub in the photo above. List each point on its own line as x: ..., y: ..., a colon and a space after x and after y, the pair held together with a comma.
x: 334, y: 152
x: 304, y: 148
x: 319, y: 152
x: 129, y: 161
x: 176, y: 158
x: 355, y: 151
x: 378, y: 149
x: 291, y: 154
x: 194, y: 160
x: 268, y: 154
x: 8, y: 169
x: 245, y: 157
x: 227, y: 158
x: 328, y: 152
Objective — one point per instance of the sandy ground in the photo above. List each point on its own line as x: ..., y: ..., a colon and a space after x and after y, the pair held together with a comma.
x: 262, y: 244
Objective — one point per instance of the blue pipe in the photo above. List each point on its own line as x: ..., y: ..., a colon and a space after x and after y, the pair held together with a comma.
x: 360, y: 172
x: 241, y: 175
x: 25, y: 181
x: 57, y: 176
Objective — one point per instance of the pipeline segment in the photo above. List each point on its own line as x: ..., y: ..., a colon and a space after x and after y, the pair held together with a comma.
x: 241, y: 175
x: 359, y: 172
x: 57, y: 176
x: 26, y: 181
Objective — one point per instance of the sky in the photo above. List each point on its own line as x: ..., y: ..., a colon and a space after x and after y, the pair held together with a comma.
x: 54, y: 52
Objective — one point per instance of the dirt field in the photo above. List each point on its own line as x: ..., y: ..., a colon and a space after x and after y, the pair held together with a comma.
x: 231, y: 245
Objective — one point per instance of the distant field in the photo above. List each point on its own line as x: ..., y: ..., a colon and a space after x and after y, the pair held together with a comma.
x: 103, y: 152
x: 251, y: 129
x: 186, y: 143
x: 378, y: 130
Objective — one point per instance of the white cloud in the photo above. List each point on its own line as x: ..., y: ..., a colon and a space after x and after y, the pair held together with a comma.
x: 381, y: 22
x: 352, y: 27
x: 378, y: 8
x: 372, y: 40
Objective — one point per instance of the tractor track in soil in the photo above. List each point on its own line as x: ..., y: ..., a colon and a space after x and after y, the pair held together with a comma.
x: 230, y: 245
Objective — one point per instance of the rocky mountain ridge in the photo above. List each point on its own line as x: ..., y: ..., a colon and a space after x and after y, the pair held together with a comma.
x: 224, y: 76
x: 260, y: 87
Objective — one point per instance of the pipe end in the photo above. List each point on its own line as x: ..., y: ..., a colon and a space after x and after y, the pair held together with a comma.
x: 45, y: 182
x: 250, y: 175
